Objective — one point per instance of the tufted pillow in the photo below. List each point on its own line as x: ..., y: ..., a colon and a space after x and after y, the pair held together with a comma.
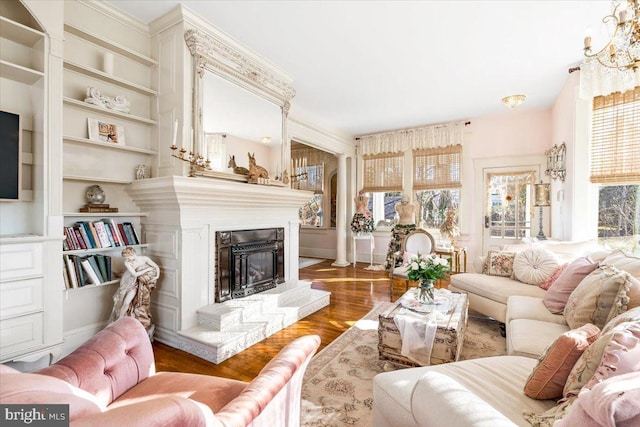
x: 534, y: 266
x: 547, y: 283
x: 548, y: 378
x: 590, y: 361
x: 556, y: 297
x: 611, y: 403
x: 499, y: 263
x: 594, y: 298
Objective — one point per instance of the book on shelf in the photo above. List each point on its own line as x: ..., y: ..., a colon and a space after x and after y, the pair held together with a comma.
x: 131, y: 233
x: 81, y: 241
x: 91, y: 274
x: 98, y: 208
x: 102, y: 265
x: 101, y: 232
x: 77, y: 270
x: 96, y: 268
x: 115, y: 230
x: 92, y: 232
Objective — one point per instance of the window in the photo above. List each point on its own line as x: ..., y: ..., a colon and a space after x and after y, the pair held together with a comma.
x: 509, y: 205
x: 437, y: 168
x: 383, y: 172
x: 433, y: 205
x: 382, y: 207
x: 619, y: 217
x: 615, y: 165
x: 311, y: 178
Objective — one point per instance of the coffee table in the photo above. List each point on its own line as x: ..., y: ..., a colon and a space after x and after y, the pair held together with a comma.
x: 449, y: 336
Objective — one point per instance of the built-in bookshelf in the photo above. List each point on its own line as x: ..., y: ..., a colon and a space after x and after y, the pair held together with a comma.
x: 98, y: 239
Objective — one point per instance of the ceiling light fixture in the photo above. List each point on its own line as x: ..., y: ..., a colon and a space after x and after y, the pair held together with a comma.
x: 513, y: 100
x: 622, y: 52
x: 266, y: 139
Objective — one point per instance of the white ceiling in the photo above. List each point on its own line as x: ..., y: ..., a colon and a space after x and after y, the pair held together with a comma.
x: 368, y: 66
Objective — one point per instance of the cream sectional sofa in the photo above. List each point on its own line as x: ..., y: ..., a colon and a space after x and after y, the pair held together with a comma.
x: 488, y: 295
x: 490, y: 391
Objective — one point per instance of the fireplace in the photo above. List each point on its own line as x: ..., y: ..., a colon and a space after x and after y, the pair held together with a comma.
x: 248, y: 262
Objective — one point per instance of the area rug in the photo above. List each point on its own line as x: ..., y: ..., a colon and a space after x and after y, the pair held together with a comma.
x: 307, y: 262
x: 337, y: 389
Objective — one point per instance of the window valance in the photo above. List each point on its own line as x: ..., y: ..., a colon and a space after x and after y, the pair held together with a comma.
x: 412, y: 139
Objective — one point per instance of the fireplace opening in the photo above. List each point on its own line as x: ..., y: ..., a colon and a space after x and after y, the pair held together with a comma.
x: 248, y: 262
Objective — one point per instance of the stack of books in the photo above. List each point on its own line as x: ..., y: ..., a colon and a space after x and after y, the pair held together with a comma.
x: 98, y: 208
x: 105, y: 233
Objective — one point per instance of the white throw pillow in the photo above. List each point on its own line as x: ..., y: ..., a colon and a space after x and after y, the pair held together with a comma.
x: 535, y: 265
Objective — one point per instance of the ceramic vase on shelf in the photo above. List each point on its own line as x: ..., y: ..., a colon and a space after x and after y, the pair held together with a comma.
x: 425, y: 291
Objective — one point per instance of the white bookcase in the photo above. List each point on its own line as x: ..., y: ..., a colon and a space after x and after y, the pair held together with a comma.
x: 30, y: 293
x: 93, y: 31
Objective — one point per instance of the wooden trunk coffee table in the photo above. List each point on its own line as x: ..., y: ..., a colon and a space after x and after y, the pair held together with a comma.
x: 449, y: 336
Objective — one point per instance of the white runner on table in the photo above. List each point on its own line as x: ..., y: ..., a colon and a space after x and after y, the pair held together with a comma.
x: 418, y: 329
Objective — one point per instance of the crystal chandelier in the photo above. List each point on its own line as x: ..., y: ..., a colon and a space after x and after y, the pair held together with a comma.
x: 622, y: 51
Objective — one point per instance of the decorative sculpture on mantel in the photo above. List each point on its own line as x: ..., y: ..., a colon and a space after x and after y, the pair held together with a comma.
x: 119, y: 103
x: 256, y: 171
x: 237, y: 169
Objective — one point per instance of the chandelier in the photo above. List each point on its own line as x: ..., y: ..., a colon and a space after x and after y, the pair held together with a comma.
x: 513, y: 100
x: 622, y: 51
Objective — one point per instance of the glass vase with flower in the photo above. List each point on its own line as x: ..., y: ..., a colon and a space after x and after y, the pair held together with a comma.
x: 426, y: 269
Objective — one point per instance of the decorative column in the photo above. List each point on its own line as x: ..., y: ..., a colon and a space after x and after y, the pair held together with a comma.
x: 341, y: 213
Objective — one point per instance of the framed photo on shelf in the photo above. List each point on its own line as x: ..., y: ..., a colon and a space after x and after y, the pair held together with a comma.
x: 105, y: 132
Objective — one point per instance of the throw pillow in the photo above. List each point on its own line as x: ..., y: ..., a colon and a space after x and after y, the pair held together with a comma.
x: 628, y: 297
x: 534, y: 266
x: 558, y: 294
x: 548, y: 378
x: 623, y: 261
x: 621, y: 355
x: 611, y: 403
x: 547, y: 283
x: 631, y: 315
x: 594, y: 297
x: 586, y: 366
x: 499, y: 263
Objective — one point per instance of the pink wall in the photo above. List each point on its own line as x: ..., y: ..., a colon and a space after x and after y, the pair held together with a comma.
x: 513, y: 133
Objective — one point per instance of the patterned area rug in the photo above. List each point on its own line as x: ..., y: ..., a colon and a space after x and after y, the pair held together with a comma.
x: 337, y: 389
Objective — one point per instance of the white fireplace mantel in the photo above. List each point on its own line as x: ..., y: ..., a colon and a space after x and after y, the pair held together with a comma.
x: 183, y: 215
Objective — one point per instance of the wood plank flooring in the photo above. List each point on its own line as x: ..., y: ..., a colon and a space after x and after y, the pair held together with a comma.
x: 354, y: 292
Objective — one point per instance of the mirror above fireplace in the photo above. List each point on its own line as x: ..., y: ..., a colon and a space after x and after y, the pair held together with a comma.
x: 237, y: 94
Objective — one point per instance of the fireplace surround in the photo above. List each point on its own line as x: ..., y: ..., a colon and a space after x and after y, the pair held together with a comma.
x: 248, y: 262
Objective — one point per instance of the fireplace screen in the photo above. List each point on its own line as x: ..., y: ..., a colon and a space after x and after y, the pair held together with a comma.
x: 248, y: 262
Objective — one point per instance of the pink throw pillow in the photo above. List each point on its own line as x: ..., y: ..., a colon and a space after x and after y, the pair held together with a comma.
x: 548, y: 378
x: 547, y: 283
x: 613, y: 402
x: 556, y: 297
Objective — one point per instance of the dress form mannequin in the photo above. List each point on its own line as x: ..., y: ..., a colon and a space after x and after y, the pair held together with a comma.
x: 406, y: 224
x: 406, y: 211
x: 362, y: 221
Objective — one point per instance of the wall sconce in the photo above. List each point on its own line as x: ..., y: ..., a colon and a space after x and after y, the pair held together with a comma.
x: 556, y: 161
x: 542, y: 199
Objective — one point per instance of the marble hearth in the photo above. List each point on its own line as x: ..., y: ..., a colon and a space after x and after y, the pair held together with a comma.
x: 182, y: 217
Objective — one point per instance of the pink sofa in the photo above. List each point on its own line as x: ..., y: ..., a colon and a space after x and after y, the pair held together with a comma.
x: 111, y: 380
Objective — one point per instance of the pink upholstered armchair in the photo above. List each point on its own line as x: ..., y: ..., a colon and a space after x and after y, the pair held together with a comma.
x: 111, y: 381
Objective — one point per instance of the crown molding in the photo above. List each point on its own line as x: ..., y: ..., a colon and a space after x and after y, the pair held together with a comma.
x: 114, y: 13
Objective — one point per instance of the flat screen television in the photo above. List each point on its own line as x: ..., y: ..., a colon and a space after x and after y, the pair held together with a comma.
x: 11, y: 157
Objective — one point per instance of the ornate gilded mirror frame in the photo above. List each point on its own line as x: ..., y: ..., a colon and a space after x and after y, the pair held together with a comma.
x: 215, y: 55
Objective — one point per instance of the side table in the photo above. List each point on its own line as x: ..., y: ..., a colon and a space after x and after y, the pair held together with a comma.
x: 458, y: 257
x: 372, y: 245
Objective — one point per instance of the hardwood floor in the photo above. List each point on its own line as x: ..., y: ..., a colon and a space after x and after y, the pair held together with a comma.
x: 354, y: 292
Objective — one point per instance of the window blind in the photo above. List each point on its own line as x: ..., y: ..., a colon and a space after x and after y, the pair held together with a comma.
x: 437, y: 168
x: 615, y: 138
x: 383, y: 172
